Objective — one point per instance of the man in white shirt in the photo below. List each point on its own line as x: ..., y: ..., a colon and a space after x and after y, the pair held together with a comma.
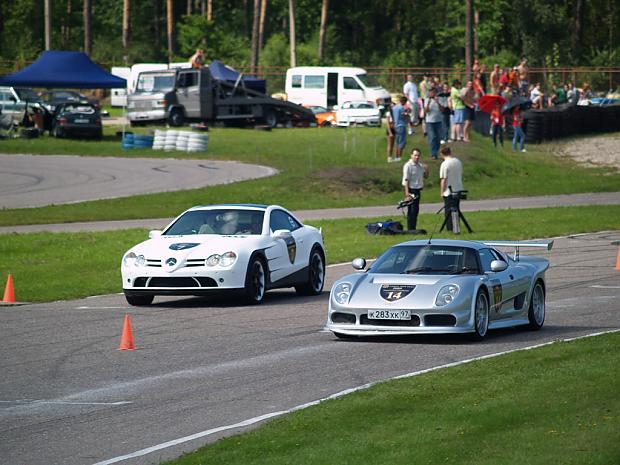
x: 450, y: 182
x: 411, y: 92
x: 414, y: 174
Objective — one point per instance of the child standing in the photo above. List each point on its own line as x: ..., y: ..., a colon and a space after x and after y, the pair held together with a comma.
x: 519, y: 136
x: 497, y: 123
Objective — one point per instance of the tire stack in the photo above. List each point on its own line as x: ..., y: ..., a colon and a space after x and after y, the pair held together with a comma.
x: 533, y: 122
x: 182, y: 140
x: 171, y: 141
x: 128, y: 141
x: 197, y: 142
x: 159, y: 141
x: 141, y: 141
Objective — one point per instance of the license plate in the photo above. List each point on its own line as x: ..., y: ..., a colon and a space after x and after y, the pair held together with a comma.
x: 81, y: 120
x: 389, y: 314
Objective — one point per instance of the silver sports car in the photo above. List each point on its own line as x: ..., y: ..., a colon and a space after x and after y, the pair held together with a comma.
x: 441, y: 286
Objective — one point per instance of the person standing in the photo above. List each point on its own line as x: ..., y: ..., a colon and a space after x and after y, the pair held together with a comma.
x: 468, y: 96
x: 197, y: 60
x: 497, y: 124
x: 444, y: 100
x: 519, y: 136
x: 524, y: 78
x: 434, y: 119
x: 401, y: 118
x: 450, y: 182
x: 411, y: 92
x: 414, y: 174
x: 459, y: 110
x: 494, y: 78
x: 389, y: 131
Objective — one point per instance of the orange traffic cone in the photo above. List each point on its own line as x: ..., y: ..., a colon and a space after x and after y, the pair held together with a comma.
x: 9, y: 292
x: 617, y: 261
x: 126, y: 336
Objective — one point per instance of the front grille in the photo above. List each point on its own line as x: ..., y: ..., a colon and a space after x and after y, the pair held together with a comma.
x: 142, y: 105
x: 197, y: 282
x: 415, y: 321
x: 346, y: 318
x: 191, y: 262
x: 440, y: 320
x: 153, y: 262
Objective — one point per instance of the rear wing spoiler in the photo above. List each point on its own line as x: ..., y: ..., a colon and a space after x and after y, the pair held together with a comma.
x: 518, y: 244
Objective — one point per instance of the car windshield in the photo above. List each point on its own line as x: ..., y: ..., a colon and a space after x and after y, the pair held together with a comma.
x: 368, y: 81
x: 220, y: 222
x: 155, y: 82
x: 427, y: 259
x: 28, y: 95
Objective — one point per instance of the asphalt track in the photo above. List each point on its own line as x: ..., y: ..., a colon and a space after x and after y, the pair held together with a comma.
x: 40, y: 180
x: 67, y: 396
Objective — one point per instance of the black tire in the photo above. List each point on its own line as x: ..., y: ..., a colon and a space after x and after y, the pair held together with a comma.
x: 326, y: 124
x: 56, y: 132
x: 271, y: 119
x: 481, y: 316
x: 316, y: 274
x: 536, y: 312
x: 255, y: 281
x: 139, y: 300
x: 176, y: 118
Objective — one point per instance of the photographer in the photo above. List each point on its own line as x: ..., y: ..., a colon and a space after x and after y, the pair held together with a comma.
x: 451, y: 184
x: 434, y: 120
x: 414, y: 174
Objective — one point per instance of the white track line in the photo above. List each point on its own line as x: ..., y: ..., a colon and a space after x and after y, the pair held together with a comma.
x: 252, y: 421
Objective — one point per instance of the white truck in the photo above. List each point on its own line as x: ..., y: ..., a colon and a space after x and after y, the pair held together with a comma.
x: 332, y: 86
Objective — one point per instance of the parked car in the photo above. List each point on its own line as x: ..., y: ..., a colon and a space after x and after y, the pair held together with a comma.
x: 358, y: 112
x: 441, y: 286
x: 14, y: 100
x: 324, y: 117
x: 75, y: 119
x: 51, y: 99
x: 243, y: 248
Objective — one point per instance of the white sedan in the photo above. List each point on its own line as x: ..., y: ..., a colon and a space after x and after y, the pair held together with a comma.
x: 247, y: 248
x: 358, y: 112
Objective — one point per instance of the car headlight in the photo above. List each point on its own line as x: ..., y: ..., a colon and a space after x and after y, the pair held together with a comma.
x: 342, y: 292
x: 131, y: 259
x: 226, y: 259
x: 446, y: 295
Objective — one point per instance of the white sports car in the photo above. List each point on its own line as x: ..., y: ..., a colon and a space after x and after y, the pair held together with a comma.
x: 248, y: 248
x: 441, y: 286
x: 358, y: 112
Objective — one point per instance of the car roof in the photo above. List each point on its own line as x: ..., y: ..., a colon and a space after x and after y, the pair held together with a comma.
x: 243, y: 206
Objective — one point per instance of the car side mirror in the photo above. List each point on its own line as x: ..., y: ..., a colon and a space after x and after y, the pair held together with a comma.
x: 498, y: 265
x: 282, y: 234
x: 359, y: 263
x: 154, y: 233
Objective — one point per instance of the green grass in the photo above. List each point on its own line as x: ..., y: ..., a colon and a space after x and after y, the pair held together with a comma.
x: 319, y: 168
x: 54, y: 266
x: 551, y: 405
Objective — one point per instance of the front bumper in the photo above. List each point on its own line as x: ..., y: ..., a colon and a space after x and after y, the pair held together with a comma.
x: 370, y: 121
x: 150, y: 115
x: 184, y: 281
x: 355, y: 322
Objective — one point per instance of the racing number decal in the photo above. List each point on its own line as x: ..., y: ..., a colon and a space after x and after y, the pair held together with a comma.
x: 291, y: 246
x: 497, y: 294
x: 391, y: 292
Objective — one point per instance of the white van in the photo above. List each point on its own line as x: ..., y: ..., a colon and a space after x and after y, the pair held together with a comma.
x: 331, y: 86
x: 119, y: 95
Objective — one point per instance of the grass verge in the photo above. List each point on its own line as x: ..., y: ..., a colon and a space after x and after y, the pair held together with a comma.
x: 549, y: 405
x: 319, y: 168
x: 55, y: 266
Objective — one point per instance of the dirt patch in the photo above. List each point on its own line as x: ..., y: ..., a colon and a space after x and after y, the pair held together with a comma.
x: 601, y: 151
x: 360, y: 179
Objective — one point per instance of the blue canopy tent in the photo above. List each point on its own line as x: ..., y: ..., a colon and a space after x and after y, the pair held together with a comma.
x: 222, y: 72
x: 59, y: 69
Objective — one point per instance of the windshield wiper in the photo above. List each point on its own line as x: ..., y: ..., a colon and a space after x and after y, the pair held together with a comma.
x: 418, y: 270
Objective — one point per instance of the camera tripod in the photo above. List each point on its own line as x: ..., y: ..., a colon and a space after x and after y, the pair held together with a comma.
x: 455, y: 214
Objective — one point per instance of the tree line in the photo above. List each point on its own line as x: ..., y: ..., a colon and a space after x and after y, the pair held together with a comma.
x: 388, y: 33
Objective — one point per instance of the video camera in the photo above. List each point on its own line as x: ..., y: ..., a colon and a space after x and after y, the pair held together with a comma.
x: 461, y: 195
x: 406, y: 202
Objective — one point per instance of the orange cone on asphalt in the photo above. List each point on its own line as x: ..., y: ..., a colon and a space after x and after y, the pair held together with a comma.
x: 9, y: 292
x: 126, y: 336
x: 617, y: 260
